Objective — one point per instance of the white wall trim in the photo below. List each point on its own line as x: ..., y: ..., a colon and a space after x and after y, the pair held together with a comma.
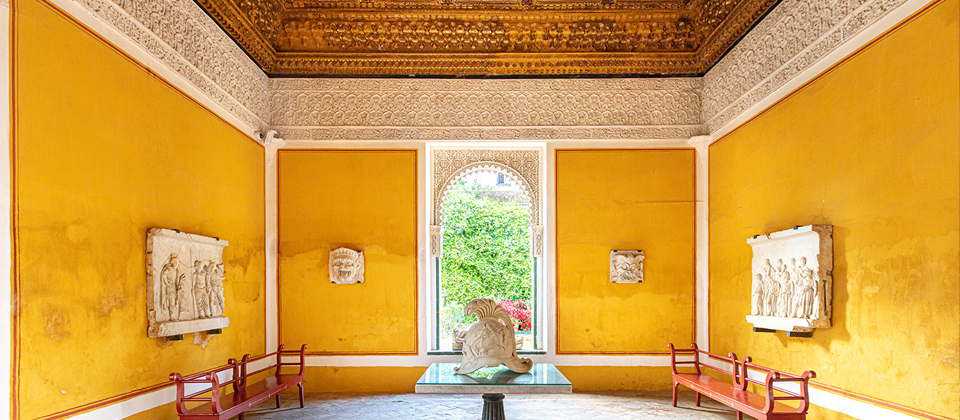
x: 702, y: 143
x: 6, y: 201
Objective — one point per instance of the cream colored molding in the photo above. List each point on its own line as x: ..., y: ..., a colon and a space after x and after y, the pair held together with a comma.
x: 523, y: 166
x: 181, y: 43
x: 794, y: 37
x: 444, y: 110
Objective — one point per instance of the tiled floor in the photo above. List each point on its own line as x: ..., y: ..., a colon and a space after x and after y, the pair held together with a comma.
x: 608, y: 406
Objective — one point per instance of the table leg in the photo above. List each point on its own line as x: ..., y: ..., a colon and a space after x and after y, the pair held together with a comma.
x: 493, y: 407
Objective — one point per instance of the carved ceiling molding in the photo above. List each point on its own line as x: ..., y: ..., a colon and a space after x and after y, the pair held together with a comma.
x: 468, y: 37
x: 180, y: 35
x: 441, y: 109
x: 450, y: 165
x: 793, y: 37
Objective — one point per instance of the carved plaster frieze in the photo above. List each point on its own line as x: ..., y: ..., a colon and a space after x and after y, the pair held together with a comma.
x: 488, y: 133
x: 450, y: 165
x: 184, y: 283
x: 479, y: 103
x: 792, y: 279
x: 179, y: 34
x: 794, y: 36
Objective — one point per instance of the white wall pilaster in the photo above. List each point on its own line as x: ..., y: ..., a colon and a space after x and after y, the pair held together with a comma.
x: 702, y: 143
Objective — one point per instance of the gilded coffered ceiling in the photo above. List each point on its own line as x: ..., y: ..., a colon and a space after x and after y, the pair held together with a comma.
x: 486, y: 37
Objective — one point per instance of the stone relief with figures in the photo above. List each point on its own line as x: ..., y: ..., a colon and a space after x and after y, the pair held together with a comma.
x: 626, y: 266
x: 792, y: 279
x: 346, y: 266
x: 185, y: 276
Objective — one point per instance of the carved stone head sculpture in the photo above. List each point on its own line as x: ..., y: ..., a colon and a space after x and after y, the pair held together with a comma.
x: 490, y: 342
x: 626, y: 266
x: 346, y: 266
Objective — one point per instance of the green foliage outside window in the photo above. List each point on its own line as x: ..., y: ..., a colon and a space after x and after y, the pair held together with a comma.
x: 486, y: 250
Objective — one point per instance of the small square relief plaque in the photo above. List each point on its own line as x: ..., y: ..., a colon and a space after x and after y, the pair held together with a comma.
x: 626, y: 266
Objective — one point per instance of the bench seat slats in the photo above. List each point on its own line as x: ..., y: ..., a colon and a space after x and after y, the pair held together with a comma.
x: 733, y: 393
x: 245, y: 395
x: 725, y: 393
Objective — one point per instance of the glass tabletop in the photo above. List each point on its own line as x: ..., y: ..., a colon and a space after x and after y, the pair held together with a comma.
x: 542, y: 374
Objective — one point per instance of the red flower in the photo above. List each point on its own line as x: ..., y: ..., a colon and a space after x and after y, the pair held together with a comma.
x: 519, y: 310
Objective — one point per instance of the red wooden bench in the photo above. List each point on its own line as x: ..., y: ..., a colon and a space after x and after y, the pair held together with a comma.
x: 245, y: 396
x: 734, y: 393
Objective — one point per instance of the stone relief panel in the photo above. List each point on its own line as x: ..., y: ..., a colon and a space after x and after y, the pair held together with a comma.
x: 346, y: 266
x: 626, y: 266
x: 184, y: 283
x: 523, y: 166
x: 441, y: 109
x: 792, y: 279
x: 179, y: 34
x: 795, y: 35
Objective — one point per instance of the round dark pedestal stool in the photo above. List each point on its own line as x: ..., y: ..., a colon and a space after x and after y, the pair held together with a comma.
x: 493, y: 407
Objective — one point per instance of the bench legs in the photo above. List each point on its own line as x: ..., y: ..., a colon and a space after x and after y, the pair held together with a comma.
x: 675, y: 386
x: 739, y: 415
x: 278, y: 400
x: 698, y: 399
x: 300, y: 385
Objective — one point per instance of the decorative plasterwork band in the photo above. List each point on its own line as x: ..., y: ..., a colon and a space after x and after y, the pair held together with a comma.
x: 794, y: 36
x: 487, y: 109
x: 450, y: 165
x: 180, y: 35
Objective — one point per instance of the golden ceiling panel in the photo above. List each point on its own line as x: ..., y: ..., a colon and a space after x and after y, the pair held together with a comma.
x: 486, y: 37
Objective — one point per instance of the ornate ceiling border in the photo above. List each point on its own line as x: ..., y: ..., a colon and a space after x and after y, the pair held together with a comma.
x: 485, y: 109
x: 182, y: 37
x: 792, y: 38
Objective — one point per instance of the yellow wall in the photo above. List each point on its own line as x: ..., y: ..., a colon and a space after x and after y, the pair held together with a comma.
x: 361, y: 199
x: 872, y: 148
x: 625, y: 199
x: 105, y: 150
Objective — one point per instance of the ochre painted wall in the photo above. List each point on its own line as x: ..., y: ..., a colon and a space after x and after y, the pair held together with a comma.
x: 625, y: 199
x: 105, y: 150
x: 870, y: 147
x: 360, y: 199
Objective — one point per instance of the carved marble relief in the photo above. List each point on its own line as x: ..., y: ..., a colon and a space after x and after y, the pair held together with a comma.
x: 490, y: 341
x: 346, y: 266
x: 626, y: 266
x: 792, y: 279
x: 184, y: 283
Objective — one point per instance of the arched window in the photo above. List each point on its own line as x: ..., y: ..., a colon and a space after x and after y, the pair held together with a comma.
x: 485, y: 243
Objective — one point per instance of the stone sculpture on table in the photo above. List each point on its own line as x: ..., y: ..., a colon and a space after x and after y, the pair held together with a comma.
x: 346, y: 266
x: 490, y: 342
x: 626, y: 266
x: 796, y: 295
x: 183, y: 297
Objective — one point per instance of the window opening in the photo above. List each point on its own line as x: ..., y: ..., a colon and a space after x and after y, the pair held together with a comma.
x: 485, y: 254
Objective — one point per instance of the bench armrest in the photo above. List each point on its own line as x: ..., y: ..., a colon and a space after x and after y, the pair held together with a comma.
x: 210, y: 379
x: 301, y: 363
x: 694, y: 351
x: 804, y: 396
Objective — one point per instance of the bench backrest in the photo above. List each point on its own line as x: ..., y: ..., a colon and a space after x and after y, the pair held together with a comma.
x: 241, y: 375
x: 740, y: 377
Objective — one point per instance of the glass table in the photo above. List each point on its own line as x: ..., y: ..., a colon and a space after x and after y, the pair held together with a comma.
x: 544, y: 378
